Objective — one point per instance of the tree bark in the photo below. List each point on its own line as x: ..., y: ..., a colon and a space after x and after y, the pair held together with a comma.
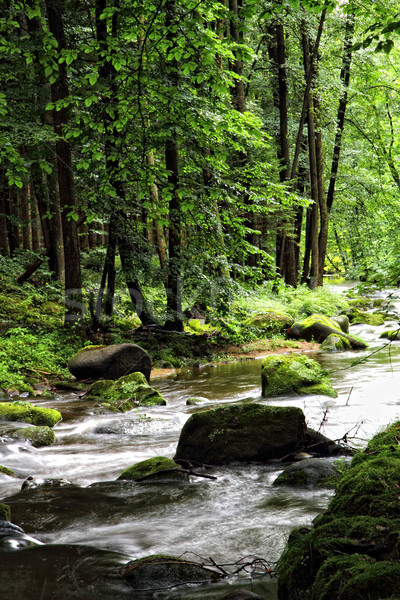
x: 59, y: 91
x: 312, y: 153
x: 345, y: 79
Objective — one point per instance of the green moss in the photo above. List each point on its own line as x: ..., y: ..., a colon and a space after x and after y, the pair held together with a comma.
x: 369, y: 488
x: 270, y: 322
x: 356, y: 577
x: 37, y: 436
x: 335, y: 342
x: 312, y: 319
x: 7, y: 471
x: 126, y: 393
x: 16, y: 411
x: 5, y: 512
x: 353, y: 550
x: 148, y: 467
x: 392, y: 335
x: 282, y: 374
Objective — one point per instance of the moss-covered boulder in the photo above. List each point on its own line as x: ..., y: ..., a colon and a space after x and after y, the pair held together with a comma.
x: 148, y: 468
x: 69, y: 386
x: 126, y: 393
x: 162, y: 572
x: 5, y: 512
x: 393, y: 335
x: 353, y: 549
x: 310, y: 473
x: 293, y: 373
x: 196, y: 400
x: 241, y: 433
x: 38, y: 436
x: 269, y: 323
x: 110, y: 362
x: 319, y: 327
x: 335, y: 343
x: 24, y: 411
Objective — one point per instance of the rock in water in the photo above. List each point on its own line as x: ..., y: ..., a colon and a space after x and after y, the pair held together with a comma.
x: 110, y: 362
x: 165, y: 572
x: 294, y: 374
x: 241, y: 433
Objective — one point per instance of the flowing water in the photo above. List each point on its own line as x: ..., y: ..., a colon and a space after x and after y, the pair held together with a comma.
x: 237, y: 515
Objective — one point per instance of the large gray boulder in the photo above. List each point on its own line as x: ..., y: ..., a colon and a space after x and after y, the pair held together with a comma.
x: 110, y: 362
x: 241, y: 433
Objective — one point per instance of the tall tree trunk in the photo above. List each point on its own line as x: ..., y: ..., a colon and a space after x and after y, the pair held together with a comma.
x: 174, y: 320
x: 118, y: 230
x: 323, y: 209
x: 345, y: 79
x: 312, y: 153
x: 59, y: 91
x: 3, y: 222
x: 25, y: 218
x: 285, y: 244
x: 12, y: 220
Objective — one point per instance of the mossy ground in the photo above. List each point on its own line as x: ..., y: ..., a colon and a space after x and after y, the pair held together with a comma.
x: 353, y: 550
x: 23, y: 411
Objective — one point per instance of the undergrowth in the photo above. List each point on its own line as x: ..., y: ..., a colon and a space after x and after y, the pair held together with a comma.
x: 38, y: 345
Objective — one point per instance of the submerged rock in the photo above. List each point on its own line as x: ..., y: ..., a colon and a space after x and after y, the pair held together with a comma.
x: 148, y: 468
x: 126, y: 393
x: 13, y: 537
x: 23, y: 411
x: 319, y: 327
x: 310, y: 473
x: 294, y: 373
x: 38, y: 436
x: 63, y: 571
x: 241, y: 433
x: 319, y: 445
x: 353, y: 549
x: 241, y: 595
x: 156, y: 573
x: 110, y: 362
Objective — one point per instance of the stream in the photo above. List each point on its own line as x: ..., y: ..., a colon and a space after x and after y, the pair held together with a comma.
x: 237, y: 515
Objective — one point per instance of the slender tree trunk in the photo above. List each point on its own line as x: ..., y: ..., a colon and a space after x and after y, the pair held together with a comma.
x: 323, y: 209
x: 174, y: 288
x: 312, y: 153
x: 3, y: 221
x: 12, y: 219
x: 59, y: 91
x: 25, y: 218
x: 345, y: 79
x: 119, y: 225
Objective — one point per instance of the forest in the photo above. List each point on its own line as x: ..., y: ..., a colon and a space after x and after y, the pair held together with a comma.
x: 190, y: 149
x: 194, y: 194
